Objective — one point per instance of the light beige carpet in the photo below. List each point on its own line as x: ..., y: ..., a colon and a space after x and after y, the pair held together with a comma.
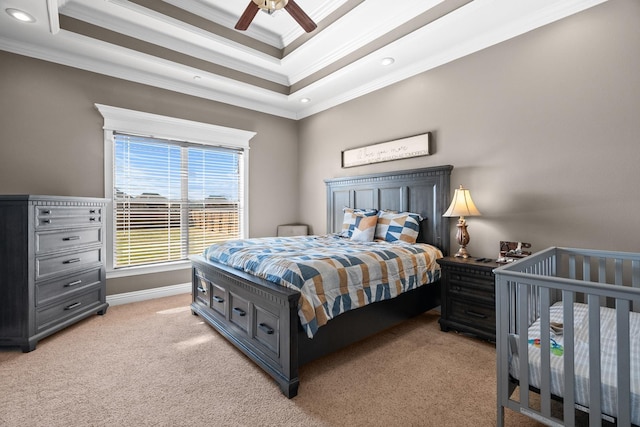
x: 153, y: 363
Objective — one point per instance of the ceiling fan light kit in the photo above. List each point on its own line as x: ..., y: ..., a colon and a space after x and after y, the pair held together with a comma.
x: 272, y: 5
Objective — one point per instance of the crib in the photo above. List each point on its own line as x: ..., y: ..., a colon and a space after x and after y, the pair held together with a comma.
x: 574, y: 315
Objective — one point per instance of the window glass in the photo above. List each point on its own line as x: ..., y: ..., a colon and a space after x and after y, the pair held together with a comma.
x: 173, y: 199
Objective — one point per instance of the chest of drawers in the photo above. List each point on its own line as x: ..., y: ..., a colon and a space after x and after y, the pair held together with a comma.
x: 468, y: 297
x: 52, y: 270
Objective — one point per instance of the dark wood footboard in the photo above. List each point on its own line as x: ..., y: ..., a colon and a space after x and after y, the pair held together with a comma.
x: 261, y: 319
x: 257, y: 316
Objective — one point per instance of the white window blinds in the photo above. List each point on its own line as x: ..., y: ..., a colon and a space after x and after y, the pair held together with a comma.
x: 173, y: 199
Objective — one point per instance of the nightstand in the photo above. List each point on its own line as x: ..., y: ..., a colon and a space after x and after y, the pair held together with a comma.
x: 468, y: 296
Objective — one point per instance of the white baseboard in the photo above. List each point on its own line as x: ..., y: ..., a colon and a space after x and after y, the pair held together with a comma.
x: 165, y: 291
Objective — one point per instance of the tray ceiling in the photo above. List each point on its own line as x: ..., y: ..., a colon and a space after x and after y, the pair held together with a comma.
x: 190, y: 46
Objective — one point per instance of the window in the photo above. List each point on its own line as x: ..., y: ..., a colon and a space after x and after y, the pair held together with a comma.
x: 172, y: 194
x: 172, y: 200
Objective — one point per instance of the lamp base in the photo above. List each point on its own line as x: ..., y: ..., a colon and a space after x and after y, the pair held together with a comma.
x: 462, y: 253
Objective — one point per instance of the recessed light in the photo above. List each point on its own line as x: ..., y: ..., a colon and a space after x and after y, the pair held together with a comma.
x: 305, y: 100
x: 20, y: 15
x: 387, y: 61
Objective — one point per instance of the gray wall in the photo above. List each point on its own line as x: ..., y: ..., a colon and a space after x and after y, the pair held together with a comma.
x: 51, y: 142
x: 544, y: 130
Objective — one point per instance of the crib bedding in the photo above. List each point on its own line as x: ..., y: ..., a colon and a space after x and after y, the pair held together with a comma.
x: 333, y: 274
x: 581, y: 347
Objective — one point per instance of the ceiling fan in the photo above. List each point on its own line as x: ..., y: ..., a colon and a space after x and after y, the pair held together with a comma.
x: 271, y: 6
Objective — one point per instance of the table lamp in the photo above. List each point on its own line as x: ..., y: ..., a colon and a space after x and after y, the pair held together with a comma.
x: 462, y: 206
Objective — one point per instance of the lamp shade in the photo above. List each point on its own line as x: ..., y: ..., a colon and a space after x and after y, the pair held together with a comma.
x: 462, y: 205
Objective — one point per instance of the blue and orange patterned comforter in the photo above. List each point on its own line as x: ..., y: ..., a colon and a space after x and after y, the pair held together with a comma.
x: 333, y: 274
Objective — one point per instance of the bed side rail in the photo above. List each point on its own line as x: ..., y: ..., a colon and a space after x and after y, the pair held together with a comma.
x: 525, y: 292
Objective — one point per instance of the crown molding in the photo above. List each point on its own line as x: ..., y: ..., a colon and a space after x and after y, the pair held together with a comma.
x: 477, y: 27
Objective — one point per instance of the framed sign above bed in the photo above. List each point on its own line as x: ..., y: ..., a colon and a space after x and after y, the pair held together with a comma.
x: 404, y: 148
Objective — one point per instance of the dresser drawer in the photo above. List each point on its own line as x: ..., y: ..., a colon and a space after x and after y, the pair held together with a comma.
x: 266, y: 331
x: 476, y: 315
x: 65, y: 216
x: 67, y: 262
x: 59, y: 288
x: 238, y: 311
x: 63, y: 239
x: 70, y: 307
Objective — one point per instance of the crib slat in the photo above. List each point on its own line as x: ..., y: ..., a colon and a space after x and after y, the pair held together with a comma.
x: 618, y: 269
x: 523, y: 346
x: 595, y: 406
x: 586, y: 268
x: 602, y: 277
x: 568, y: 298
x: 635, y: 281
x: 545, y: 349
x: 503, y: 304
x: 624, y: 362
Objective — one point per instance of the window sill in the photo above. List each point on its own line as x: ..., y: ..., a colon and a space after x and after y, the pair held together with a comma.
x: 148, y: 269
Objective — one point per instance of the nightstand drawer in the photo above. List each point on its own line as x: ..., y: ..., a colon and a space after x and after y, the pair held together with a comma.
x: 471, y: 288
x: 475, y: 315
x: 472, y: 280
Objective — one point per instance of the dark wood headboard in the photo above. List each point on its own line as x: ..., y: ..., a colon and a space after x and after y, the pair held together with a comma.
x: 423, y: 191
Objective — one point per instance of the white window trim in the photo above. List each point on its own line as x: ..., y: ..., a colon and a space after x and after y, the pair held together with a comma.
x: 163, y: 127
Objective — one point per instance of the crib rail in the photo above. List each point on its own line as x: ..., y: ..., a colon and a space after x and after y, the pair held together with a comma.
x: 525, y: 290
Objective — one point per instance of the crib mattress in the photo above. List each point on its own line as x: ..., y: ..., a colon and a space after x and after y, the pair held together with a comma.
x: 609, y: 369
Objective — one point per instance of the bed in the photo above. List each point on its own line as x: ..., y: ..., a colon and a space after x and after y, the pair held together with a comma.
x: 261, y: 318
x: 574, y: 316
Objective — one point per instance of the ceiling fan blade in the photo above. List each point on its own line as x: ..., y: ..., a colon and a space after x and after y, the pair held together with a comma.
x: 247, y: 16
x: 301, y: 18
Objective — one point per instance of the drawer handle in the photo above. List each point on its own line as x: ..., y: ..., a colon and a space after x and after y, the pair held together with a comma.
x: 474, y: 314
x: 92, y: 219
x: 201, y: 289
x: 66, y: 239
x: 266, y: 328
x: 77, y: 282
x: 46, y: 221
x: 218, y: 299
x: 240, y: 311
x: 74, y: 305
x: 46, y: 211
x: 92, y: 211
x: 71, y: 261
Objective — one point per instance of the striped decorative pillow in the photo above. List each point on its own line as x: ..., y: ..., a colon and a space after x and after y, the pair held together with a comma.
x: 403, y: 226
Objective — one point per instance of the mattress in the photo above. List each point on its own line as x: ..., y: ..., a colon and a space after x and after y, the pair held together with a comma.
x: 333, y: 274
x: 609, y: 349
